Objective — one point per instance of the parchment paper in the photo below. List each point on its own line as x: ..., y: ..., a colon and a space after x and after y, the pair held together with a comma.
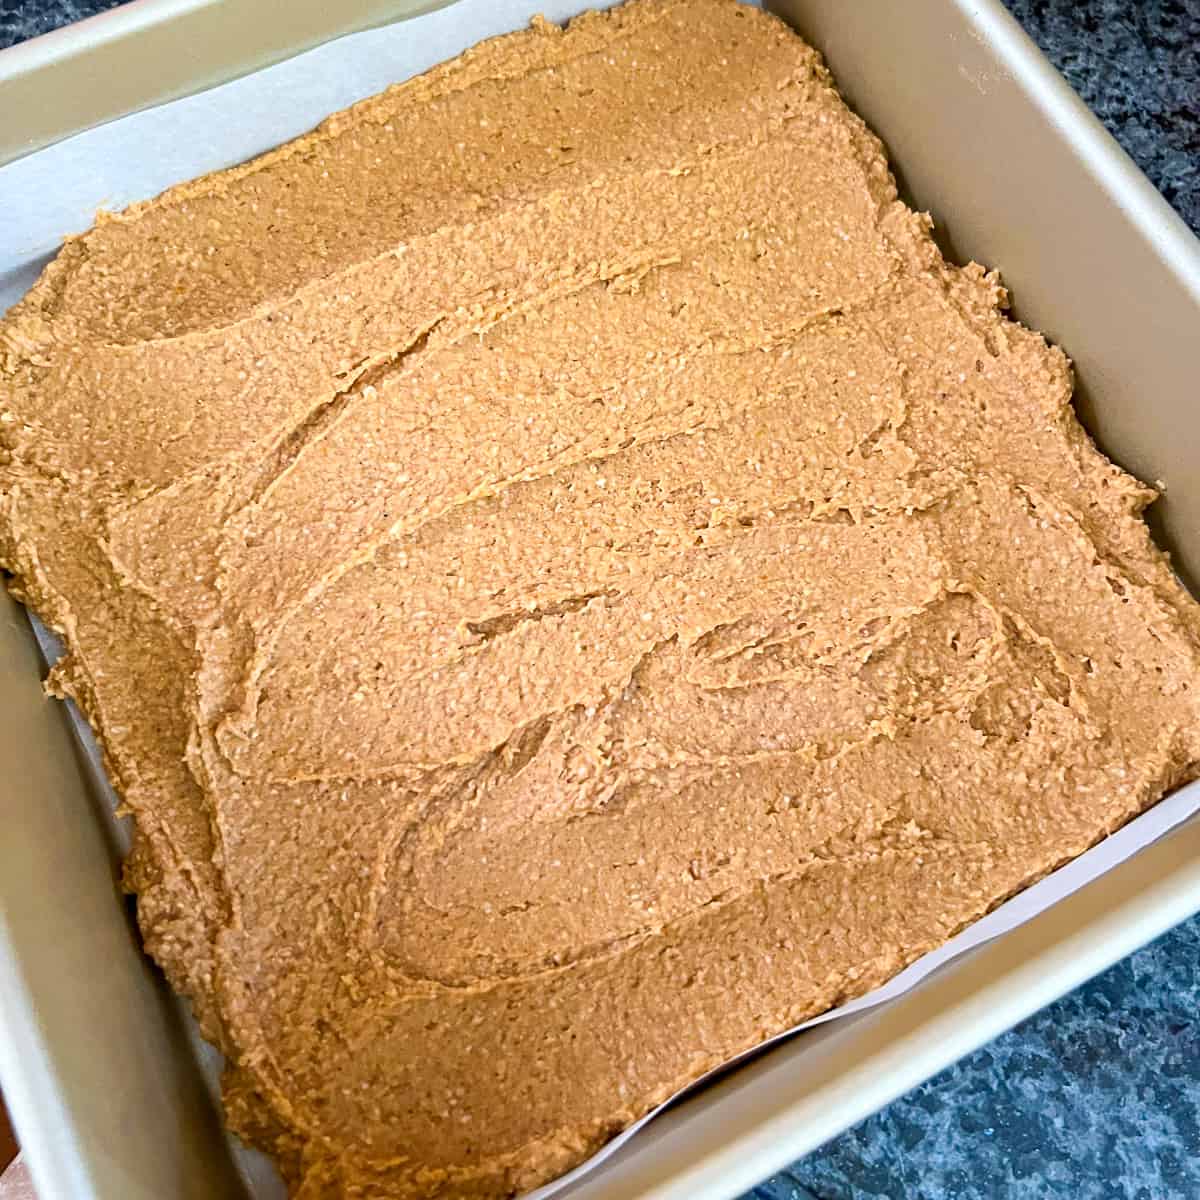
x: 58, y: 190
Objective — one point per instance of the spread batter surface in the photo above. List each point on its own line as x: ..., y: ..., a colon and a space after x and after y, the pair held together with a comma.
x: 569, y: 583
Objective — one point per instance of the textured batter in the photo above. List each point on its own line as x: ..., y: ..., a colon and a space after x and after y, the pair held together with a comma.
x: 569, y: 583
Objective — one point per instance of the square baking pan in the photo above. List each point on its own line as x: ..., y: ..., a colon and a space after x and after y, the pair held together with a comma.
x: 109, y: 1086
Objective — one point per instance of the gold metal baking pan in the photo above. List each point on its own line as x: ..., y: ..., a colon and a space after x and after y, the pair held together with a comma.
x: 109, y: 1089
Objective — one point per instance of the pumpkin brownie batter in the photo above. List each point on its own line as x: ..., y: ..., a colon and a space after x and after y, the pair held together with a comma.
x: 569, y: 583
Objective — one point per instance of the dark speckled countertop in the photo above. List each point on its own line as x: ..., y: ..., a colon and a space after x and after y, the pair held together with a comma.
x: 1098, y: 1096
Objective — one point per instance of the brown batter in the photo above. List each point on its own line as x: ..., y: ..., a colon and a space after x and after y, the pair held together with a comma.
x: 569, y: 583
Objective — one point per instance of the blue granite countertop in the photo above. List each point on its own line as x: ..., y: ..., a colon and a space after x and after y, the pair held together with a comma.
x: 1098, y: 1096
